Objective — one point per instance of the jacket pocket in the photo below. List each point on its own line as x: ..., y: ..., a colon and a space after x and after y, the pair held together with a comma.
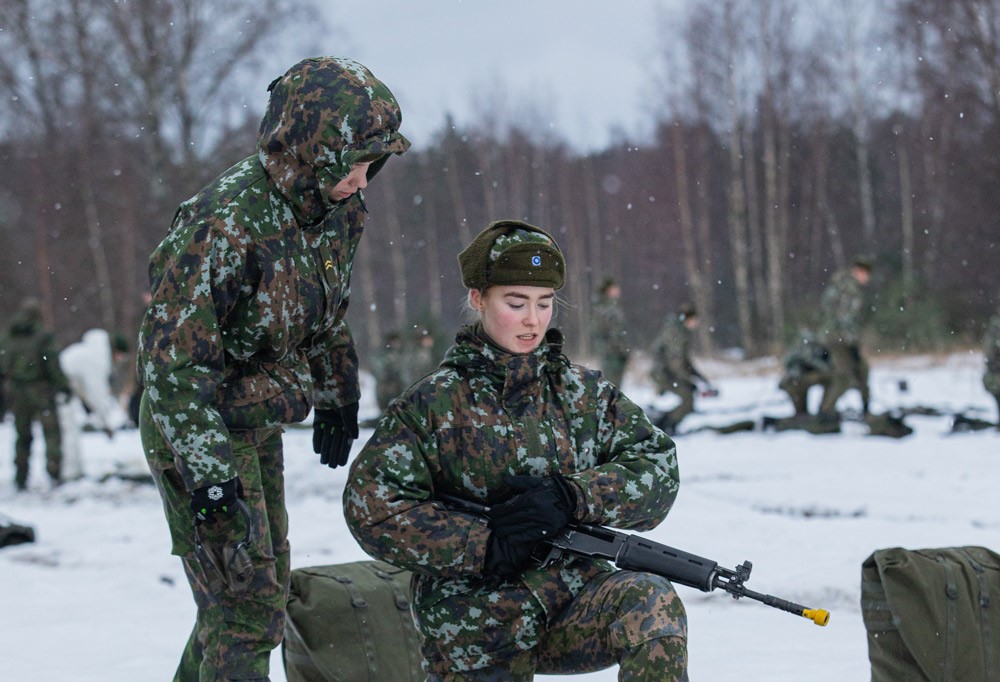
x: 260, y: 396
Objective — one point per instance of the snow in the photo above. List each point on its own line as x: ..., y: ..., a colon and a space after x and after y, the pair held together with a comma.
x: 99, y: 597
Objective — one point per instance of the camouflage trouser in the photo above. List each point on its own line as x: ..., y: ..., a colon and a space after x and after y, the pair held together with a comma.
x: 28, y: 406
x: 233, y: 634
x: 633, y: 619
x: 849, y: 371
x: 991, y: 381
x: 683, y: 389
x: 797, y: 387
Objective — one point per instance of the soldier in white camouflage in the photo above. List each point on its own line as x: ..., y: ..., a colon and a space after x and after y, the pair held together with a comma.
x: 507, y: 421
x: 245, y: 332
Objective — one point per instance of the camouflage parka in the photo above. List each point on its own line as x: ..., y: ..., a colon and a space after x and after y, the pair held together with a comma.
x: 842, y: 310
x: 29, y: 356
x: 609, y: 334
x: 485, y: 413
x: 671, y: 354
x: 251, y: 285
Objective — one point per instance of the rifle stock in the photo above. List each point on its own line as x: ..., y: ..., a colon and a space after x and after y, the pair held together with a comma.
x: 632, y: 552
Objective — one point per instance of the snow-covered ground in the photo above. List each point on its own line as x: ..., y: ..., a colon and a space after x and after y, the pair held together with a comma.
x: 99, y: 597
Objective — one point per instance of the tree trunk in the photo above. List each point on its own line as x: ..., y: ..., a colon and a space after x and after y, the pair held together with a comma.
x: 687, y: 229
x: 755, y: 243
x: 575, y: 238
x: 397, y: 258
x: 87, y: 170
x: 905, y: 213
x: 433, y: 260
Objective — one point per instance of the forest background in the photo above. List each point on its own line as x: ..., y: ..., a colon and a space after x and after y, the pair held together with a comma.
x: 786, y: 138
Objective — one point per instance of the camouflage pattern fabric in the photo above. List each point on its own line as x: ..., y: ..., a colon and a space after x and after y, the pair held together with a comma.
x: 246, y: 332
x: 483, y: 414
x: 991, y: 351
x: 610, y: 337
x: 673, y: 371
x: 842, y: 308
x: 29, y: 363
x: 250, y: 288
x: 807, y: 364
x: 391, y: 369
x: 234, y: 633
x: 850, y: 370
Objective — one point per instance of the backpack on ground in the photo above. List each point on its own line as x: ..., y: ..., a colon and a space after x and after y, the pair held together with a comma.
x: 351, y: 623
x: 886, y: 424
x: 12, y: 533
x: 932, y: 615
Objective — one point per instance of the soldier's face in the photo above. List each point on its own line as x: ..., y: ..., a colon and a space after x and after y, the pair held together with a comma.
x: 357, y: 179
x: 515, y: 317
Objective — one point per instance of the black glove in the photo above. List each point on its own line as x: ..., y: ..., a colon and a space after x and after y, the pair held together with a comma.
x: 507, y: 556
x: 215, y: 498
x: 334, y: 431
x: 540, y: 508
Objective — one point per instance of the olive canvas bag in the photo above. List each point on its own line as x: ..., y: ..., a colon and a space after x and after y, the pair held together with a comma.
x: 932, y: 614
x: 351, y: 623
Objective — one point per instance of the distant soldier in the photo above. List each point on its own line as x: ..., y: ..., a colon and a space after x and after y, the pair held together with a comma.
x: 807, y: 364
x: 389, y: 367
x: 424, y: 357
x: 29, y: 362
x: 609, y: 333
x: 991, y: 349
x: 673, y: 371
x: 832, y: 357
x: 89, y: 365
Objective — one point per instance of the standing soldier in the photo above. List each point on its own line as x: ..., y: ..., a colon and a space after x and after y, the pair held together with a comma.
x: 245, y: 332
x: 831, y: 357
x: 673, y: 371
x: 29, y: 362
x: 508, y: 422
x: 842, y: 317
x: 424, y: 357
x: 991, y: 349
x: 389, y: 367
x: 610, y: 336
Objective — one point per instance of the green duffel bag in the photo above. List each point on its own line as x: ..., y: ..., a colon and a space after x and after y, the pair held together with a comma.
x: 351, y: 623
x: 932, y: 615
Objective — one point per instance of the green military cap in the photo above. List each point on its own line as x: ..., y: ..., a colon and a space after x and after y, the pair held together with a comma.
x: 686, y: 310
x: 864, y: 261
x: 513, y: 253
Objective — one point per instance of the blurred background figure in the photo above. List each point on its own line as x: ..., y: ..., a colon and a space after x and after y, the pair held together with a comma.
x: 991, y: 349
x: 29, y: 363
x: 831, y: 356
x: 673, y: 371
x: 90, y: 366
x: 390, y: 369
x: 424, y: 356
x: 609, y: 333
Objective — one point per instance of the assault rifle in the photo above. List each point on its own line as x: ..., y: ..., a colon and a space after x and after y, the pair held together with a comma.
x: 635, y: 553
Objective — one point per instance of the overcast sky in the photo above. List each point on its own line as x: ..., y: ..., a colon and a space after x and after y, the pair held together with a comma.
x: 587, y: 66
